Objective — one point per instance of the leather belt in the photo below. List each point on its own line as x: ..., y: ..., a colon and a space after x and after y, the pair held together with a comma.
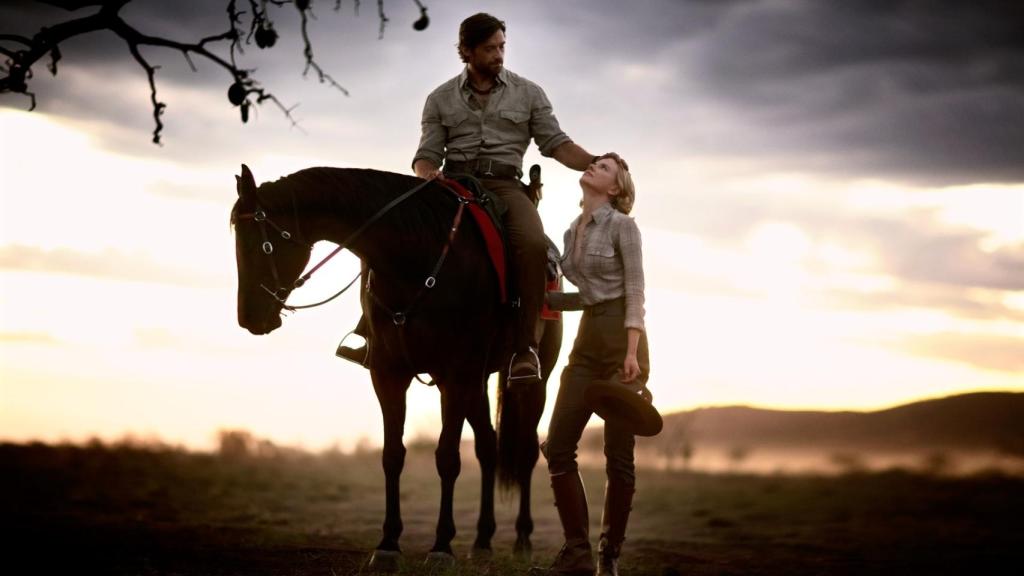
x: 484, y: 169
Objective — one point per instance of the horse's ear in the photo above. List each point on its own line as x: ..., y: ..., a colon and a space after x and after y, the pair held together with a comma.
x: 245, y: 183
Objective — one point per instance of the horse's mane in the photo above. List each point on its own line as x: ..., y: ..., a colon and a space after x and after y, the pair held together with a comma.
x: 353, y: 189
x: 425, y: 217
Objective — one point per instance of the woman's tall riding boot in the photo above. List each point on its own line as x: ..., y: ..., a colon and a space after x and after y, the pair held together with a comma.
x: 618, y: 501
x: 576, y: 557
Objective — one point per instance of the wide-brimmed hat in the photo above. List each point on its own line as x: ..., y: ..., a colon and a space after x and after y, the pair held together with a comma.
x: 625, y: 404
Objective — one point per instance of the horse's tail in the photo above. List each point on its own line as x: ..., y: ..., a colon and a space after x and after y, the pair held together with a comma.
x: 519, y: 410
x: 518, y: 449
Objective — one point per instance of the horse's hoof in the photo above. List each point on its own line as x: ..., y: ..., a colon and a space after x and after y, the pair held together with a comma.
x: 384, y: 561
x: 477, y: 554
x: 523, y: 550
x: 438, y: 561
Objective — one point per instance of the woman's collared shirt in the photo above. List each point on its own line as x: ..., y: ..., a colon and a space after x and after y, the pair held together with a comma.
x: 610, y: 262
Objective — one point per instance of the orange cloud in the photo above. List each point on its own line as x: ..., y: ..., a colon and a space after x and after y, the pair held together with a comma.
x: 27, y: 338
x: 110, y: 263
x: 991, y: 352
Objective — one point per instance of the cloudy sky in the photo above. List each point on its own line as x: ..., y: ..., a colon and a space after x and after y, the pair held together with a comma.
x: 831, y: 196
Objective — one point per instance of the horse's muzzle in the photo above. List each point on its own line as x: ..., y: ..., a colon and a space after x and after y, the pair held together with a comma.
x: 261, y: 326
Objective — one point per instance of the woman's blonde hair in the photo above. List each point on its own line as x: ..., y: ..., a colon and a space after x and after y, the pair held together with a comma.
x: 623, y: 201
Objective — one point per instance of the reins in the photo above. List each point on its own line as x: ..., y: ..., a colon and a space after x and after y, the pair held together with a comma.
x: 400, y: 317
x: 387, y: 207
x: 260, y: 216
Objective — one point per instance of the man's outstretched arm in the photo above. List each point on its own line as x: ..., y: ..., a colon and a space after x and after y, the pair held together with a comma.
x: 573, y: 156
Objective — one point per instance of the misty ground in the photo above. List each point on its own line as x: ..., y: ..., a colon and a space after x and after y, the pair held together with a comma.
x: 156, y: 510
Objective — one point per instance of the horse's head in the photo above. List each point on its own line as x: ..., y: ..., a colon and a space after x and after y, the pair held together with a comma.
x: 269, y: 257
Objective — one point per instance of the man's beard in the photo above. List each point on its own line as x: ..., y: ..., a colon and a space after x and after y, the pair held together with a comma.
x: 489, y: 71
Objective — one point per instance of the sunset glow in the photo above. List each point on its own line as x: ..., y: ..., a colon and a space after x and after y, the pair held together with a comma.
x: 768, y: 284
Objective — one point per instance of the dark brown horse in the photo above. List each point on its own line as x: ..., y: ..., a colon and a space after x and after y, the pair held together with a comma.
x: 444, y: 321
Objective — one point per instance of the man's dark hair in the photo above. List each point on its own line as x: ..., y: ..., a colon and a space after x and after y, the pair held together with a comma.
x: 475, y: 30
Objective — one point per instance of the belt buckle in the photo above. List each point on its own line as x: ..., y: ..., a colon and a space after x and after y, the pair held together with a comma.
x: 490, y: 166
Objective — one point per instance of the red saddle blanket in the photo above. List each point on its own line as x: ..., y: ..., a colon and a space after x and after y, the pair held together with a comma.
x: 492, y: 238
x: 496, y: 247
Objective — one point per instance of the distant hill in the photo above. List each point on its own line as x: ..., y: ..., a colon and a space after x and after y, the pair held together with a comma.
x: 992, y: 421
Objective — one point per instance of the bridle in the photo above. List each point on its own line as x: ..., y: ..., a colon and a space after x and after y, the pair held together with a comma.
x: 280, y: 293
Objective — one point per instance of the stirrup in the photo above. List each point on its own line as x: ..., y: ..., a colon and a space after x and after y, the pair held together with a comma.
x: 352, y: 354
x: 512, y: 377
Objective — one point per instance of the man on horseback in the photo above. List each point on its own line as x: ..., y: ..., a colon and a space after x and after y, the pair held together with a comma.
x: 480, y: 123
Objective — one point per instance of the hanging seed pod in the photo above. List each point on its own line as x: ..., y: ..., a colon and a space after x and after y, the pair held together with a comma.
x: 266, y: 37
x: 245, y: 112
x: 236, y: 93
x: 422, y: 23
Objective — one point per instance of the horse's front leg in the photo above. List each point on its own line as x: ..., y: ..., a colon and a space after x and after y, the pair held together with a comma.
x: 455, y: 401
x: 391, y: 389
x: 486, y: 443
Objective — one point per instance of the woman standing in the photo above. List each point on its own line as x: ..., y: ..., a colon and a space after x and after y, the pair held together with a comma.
x: 603, y: 259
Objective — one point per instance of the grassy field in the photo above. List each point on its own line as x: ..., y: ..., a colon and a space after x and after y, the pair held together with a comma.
x: 133, y: 510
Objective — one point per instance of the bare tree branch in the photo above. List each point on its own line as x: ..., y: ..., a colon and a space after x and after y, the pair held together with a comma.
x: 19, y: 65
x: 158, y: 107
x: 16, y: 38
x: 383, y: 18
x: 21, y: 52
x: 308, y: 52
x: 72, y: 5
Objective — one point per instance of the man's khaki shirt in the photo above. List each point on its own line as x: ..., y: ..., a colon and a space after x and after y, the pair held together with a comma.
x: 456, y: 128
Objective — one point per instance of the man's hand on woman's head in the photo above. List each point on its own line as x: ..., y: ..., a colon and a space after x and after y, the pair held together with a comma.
x: 615, y: 156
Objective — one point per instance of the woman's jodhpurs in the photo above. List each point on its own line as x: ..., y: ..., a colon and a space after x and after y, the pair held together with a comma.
x: 597, y: 354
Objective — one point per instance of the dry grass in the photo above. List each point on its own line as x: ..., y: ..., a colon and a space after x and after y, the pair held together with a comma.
x: 139, y: 510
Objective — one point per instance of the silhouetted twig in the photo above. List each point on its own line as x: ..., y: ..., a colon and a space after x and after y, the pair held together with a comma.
x: 21, y: 52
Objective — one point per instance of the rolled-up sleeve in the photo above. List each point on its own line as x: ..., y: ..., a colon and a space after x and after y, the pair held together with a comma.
x: 633, y: 272
x: 543, y: 125
x: 433, y: 134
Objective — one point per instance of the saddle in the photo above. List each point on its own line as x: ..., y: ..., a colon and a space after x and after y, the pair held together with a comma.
x: 489, y: 211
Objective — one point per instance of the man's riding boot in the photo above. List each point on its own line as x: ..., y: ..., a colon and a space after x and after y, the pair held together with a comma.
x: 360, y: 355
x: 524, y: 367
x: 618, y: 501
x: 576, y: 557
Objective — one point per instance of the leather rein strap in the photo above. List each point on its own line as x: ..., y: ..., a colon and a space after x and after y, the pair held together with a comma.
x: 260, y: 216
x: 399, y: 318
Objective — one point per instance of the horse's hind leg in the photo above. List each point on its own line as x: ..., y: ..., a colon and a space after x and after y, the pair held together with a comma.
x: 532, y: 402
x: 485, y: 441
x: 390, y: 389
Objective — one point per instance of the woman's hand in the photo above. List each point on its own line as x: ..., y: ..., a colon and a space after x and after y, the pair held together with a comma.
x: 630, y: 368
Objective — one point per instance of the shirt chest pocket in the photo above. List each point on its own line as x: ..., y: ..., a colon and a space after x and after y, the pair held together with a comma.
x: 456, y: 122
x: 600, y: 258
x: 514, y: 121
